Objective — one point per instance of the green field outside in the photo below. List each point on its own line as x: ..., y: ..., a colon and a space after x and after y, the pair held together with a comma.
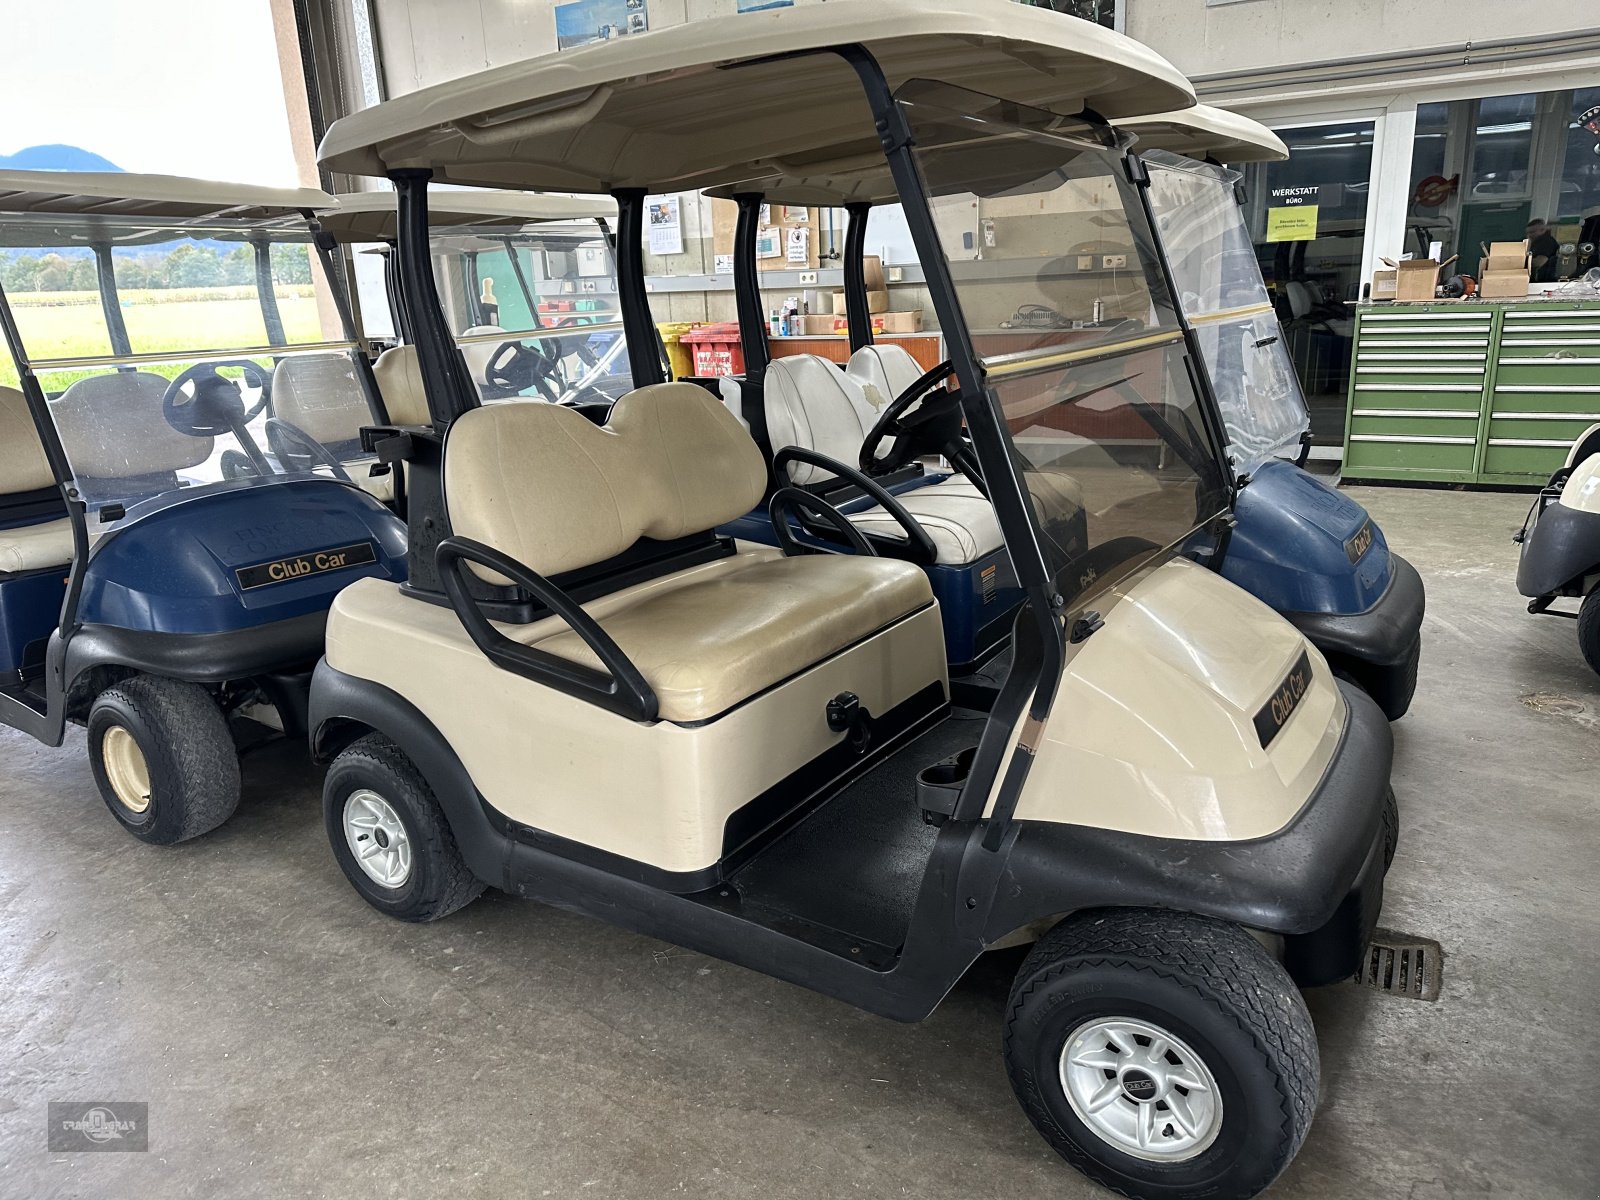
x: 69, y: 325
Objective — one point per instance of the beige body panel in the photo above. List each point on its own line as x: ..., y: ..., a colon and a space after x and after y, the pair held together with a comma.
x: 1582, y: 490
x: 1152, y: 728
x: 658, y: 793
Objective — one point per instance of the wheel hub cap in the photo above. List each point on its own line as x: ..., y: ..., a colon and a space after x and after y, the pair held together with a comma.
x: 1141, y: 1089
x: 126, y: 769
x: 377, y: 838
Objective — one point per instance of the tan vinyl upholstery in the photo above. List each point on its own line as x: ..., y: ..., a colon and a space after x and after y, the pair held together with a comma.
x: 320, y: 395
x: 399, y: 375
x: 556, y: 492
x: 23, y: 469
x: 112, y: 428
x: 813, y: 404
x: 23, y: 466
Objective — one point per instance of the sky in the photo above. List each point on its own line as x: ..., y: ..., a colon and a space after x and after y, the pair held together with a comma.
x: 186, y: 87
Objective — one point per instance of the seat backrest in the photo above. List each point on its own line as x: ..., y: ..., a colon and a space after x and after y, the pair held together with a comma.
x: 884, y: 371
x: 1300, y: 300
x: 811, y: 403
x: 399, y: 375
x: 112, y: 428
x: 23, y: 466
x: 1587, y: 445
x: 320, y: 395
x: 478, y: 354
x: 542, y: 483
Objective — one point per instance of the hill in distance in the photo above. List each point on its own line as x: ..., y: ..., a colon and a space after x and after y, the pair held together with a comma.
x: 56, y: 158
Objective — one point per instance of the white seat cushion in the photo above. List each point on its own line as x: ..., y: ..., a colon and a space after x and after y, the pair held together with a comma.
x: 320, y: 395
x: 23, y: 466
x: 112, y: 427
x: 884, y: 371
x: 812, y: 404
x: 35, y: 547
x: 399, y: 375
x: 955, y: 514
x: 730, y: 633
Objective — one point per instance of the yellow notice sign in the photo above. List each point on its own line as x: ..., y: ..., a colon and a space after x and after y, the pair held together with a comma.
x: 1297, y: 223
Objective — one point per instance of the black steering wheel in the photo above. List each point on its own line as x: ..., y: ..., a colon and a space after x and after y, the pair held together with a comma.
x: 924, y: 419
x: 216, y: 405
x: 514, y: 367
x: 288, y: 442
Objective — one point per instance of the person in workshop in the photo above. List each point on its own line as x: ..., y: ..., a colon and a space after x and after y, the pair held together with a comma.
x: 1543, y: 250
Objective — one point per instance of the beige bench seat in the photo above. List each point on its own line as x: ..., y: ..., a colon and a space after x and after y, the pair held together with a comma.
x: 716, y: 639
x: 24, y: 470
x: 36, y: 547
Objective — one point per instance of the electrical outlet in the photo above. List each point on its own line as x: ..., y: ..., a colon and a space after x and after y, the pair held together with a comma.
x: 1114, y: 262
x: 807, y: 277
x: 897, y: 274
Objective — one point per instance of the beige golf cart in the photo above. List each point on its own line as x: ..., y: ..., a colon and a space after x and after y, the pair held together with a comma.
x: 601, y: 704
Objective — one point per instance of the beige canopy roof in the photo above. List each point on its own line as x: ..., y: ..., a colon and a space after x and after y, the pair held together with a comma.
x: 122, y: 196
x: 372, y: 216
x: 687, y: 106
x: 1205, y: 132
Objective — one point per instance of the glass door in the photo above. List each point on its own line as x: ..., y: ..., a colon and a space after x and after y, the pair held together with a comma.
x: 1308, y: 220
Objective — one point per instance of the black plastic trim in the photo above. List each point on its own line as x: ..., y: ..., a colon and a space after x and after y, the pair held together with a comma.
x: 200, y: 657
x: 1382, y: 635
x: 1560, y: 552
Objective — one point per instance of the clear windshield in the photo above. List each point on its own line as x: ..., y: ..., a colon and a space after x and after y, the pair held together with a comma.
x: 1066, y: 306
x: 1224, y: 297
x: 535, y: 311
x: 186, y: 365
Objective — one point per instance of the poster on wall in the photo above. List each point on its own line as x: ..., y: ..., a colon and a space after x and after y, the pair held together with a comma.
x: 761, y: 5
x: 666, y: 224
x: 799, y: 245
x: 579, y: 22
x: 1292, y: 214
x: 767, y: 243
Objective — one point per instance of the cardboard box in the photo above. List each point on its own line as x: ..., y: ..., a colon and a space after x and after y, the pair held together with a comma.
x: 872, y: 269
x: 1504, y: 285
x: 817, y: 326
x: 888, y: 322
x: 1416, y: 279
x: 1383, y: 284
x: 877, y: 301
x: 1504, y: 264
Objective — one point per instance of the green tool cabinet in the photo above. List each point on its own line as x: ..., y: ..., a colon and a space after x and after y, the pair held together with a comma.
x: 1468, y: 392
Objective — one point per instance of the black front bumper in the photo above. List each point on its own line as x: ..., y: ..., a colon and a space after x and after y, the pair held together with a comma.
x: 1318, y: 882
x: 1379, y: 649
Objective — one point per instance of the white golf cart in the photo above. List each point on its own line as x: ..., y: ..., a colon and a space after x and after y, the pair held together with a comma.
x: 599, y: 703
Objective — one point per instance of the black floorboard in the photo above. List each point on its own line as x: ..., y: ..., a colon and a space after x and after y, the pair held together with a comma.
x: 854, y: 866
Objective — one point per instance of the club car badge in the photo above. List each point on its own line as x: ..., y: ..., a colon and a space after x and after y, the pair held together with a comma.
x: 300, y: 566
x: 1275, y: 713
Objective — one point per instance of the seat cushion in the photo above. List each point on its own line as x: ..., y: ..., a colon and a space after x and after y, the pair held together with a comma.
x: 35, y: 547
x: 320, y: 395
x: 957, y: 516
x: 883, y: 370
x: 722, y: 637
x: 23, y: 466
x: 812, y: 404
x: 399, y: 376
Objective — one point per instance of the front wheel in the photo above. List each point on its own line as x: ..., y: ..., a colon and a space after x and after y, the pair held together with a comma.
x: 1162, y: 1054
x: 390, y: 836
x: 163, y: 758
x: 1589, y: 630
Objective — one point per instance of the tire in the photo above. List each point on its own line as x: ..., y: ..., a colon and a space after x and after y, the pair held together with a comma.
x: 167, y: 744
x: 1236, y: 1029
x: 427, y: 878
x: 1589, y: 630
x: 1391, y: 829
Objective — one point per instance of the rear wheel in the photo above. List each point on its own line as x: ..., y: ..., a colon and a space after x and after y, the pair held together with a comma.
x: 1589, y: 630
x: 163, y: 758
x: 1162, y: 1054
x: 390, y: 836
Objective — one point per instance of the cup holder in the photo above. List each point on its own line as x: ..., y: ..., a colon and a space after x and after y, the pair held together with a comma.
x: 939, y: 786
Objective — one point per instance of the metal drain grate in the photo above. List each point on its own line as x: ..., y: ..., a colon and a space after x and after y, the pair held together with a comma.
x: 1398, y: 965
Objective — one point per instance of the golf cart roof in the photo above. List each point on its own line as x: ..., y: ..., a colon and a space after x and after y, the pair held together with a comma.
x: 695, y: 104
x: 372, y: 216
x: 118, y: 197
x: 1204, y: 132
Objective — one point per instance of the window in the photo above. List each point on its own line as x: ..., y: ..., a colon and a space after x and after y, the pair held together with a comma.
x: 1101, y: 12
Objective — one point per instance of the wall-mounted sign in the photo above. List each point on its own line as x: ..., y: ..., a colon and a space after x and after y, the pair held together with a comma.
x: 580, y: 22
x: 1435, y: 190
x: 666, y: 224
x: 1292, y: 214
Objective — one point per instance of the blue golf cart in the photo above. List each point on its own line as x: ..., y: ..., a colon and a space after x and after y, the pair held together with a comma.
x: 166, y: 566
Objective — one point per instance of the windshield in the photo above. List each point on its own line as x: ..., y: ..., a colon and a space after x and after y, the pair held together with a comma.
x: 1058, y: 281
x: 178, y: 355
x: 1225, y: 299
x: 535, y: 311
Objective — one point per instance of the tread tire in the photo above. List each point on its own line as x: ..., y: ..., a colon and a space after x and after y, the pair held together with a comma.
x: 440, y: 880
x: 1589, y: 630
x: 188, y: 751
x: 1208, y: 982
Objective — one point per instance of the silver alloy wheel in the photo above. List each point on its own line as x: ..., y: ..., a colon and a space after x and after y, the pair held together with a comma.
x: 377, y: 838
x: 1141, y: 1089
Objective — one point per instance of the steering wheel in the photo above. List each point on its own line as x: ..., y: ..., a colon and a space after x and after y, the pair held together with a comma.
x: 217, y: 405
x: 286, y: 439
x: 514, y: 367
x: 933, y: 428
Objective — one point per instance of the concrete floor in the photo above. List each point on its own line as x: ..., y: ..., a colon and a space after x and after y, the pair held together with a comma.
x: 292, y: 1042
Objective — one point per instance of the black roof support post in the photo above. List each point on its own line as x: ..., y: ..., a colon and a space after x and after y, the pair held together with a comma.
x: 105, y: 277
x: 266, y: 294
x: 857, y: 311
x: 752, y: 323
x: 341, y: 284
x: 638, y: 325
x: 391, y: 288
